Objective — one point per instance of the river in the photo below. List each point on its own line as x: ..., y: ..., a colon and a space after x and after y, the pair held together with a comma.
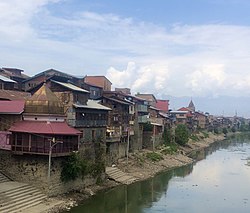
x: 218, y: 182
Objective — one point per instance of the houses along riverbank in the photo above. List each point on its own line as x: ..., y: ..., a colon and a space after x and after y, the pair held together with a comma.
x: 141, y: 165
x: 61, y: 135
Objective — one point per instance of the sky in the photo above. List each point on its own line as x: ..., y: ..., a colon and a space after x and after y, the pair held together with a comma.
x: 193, y: 48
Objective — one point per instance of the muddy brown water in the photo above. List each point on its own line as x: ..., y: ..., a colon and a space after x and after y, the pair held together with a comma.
x: 218, y: 182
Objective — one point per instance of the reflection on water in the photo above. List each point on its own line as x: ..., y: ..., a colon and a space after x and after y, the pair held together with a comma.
x: 218, y: 183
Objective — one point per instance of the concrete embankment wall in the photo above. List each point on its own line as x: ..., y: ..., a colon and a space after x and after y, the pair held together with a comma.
x: 115, y: 151
x: 33, y: 169
x: 149, y: 140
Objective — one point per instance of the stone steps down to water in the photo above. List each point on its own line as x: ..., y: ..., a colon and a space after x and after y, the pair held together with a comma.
x: 3, y: 178
x: 16, y: 197
x: 119, y: 176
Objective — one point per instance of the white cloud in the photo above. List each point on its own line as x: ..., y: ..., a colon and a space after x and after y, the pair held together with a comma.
x: 207, y: 79
x: 140, y: 78
x: 122, y: 78
x: 16, y: 15
x: 178, y: 60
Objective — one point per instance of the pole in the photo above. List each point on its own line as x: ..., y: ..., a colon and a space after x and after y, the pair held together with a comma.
x: 128, y: 145
x: 50, y: 153
x: 154, y: 138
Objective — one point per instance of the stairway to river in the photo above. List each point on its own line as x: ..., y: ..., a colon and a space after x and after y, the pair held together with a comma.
x: 17, y: 197
x: 119, y: 176
x: 3, y: 178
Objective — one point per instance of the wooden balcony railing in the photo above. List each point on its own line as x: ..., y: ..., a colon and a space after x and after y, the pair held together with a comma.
x: 86, y: 123
x: 157, y: 121
x: 58, y: 150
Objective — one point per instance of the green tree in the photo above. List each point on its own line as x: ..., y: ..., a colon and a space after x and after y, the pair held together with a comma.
x: 216, y: 130
x: 225, y: 131
x: 181, y: 134
x: 167, y: 135
x: 71, y: 168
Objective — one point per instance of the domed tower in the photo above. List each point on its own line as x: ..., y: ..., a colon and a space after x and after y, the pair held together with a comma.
x: 43, y: 124
x: 191, y: 106
x: 45, y: 102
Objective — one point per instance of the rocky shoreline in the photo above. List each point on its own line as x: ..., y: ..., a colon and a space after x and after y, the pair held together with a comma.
x: 139, y: 166
x: 142, y: 168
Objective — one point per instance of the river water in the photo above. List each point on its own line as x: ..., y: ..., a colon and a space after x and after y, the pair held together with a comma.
x: 219, y: 182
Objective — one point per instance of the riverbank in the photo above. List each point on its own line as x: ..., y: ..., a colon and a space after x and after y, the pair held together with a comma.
x: 140, y: 165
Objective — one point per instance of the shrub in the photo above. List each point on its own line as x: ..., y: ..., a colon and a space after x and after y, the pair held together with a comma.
x: 170, y: 149
x: 167, y: 135
x: 96, y: 169
x: 153, y: 156
x: 224, y: 130
x: 194, y: 137
x: 71, y: 168
x: 181, y: 134
x: 216, y: 131
x: 76, y: 167
x: 206, y: 135
x: 244, y: 127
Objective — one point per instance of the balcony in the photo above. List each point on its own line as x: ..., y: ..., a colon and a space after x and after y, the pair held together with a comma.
x: 142, y: 108
x: 143, y: 119
x: 156, y: 121
x: 87, y: 123
x: 42, y: 148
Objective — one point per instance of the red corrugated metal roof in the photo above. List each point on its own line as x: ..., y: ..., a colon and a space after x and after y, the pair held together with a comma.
x: 11, y: 107
x: 162, y: 105
x: 43, y: 127
x: 189, y: 114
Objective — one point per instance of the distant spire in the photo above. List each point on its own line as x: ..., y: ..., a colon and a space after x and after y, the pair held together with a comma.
x: 191, y: 105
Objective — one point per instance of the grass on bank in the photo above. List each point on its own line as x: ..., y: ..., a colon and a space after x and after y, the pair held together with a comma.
x: 154, y: 156
x: 169, y: 149
x: 194, y: 137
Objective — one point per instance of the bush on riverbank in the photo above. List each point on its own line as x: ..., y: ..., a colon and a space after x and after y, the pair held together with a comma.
x: 167, y: 136
x: 224, y: 130
x: 169, y: 149
x: 154, y: 156
x: 72, y: 168
x: 76, y: 167
x: 194, y: 137
x: 181, y: 134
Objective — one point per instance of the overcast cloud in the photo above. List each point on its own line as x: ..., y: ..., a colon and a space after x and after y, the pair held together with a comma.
x: 181, y: 60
